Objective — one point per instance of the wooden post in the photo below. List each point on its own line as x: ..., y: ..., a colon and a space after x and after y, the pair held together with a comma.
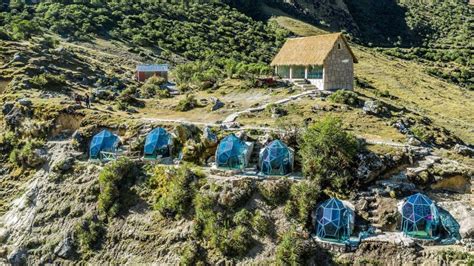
x: 291, y: 72
x: 306, y: 72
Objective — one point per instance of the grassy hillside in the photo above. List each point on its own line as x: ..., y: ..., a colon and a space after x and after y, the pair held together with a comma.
x: 408, y: 83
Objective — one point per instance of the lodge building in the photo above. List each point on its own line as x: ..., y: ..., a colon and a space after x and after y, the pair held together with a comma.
x: 326, y: 61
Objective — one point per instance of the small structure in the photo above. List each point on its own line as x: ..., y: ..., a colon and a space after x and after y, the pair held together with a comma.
x: 326, y: 61
x: 143, y: 72
x: 103, y: 146
x: 334, y: 221
x: 276, y: 159
x: 158, y: 144
x: 233, y: 153
x: 420, y: 217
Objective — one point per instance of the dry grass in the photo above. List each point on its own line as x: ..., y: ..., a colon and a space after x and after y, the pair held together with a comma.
x: 446, y: 104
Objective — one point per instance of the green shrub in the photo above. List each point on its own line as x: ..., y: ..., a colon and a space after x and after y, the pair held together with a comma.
x: 328, y: 152
x: 344, y: 97
x: 421, y: 133
x: 174, y: 188
x: 152, y: 86
x: 261, y: 223
x: 25, y: 155
x: 8, y: 140
x: 243, y: 217
x: 88, y: 234
x: 303, y: 199
x: 274, y: 192
x: 228, y: 233
x: 115, y: 181
x: 187, y: 103
x: 290, y: 249
x: 190, y: 254
x: 24, y: 29
x: 47, y: 81
x: 163, y: 93
x: 235, y: 242
x: 122, y: 106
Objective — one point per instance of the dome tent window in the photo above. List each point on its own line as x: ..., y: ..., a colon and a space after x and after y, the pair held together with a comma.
x: 158, y: 143
x: 232, y: 153
x: 334, y: 221
x: 420, y: 217
x: 105, y: 141
x: 276, y: 159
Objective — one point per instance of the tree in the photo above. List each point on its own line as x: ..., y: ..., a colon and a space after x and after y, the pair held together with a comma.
x: 327, y: 153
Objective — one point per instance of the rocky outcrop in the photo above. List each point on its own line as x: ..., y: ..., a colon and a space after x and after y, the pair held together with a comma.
x: 464, y: 150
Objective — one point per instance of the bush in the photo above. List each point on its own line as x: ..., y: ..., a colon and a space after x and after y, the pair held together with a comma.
x: 8, y: 140
x: 88, y: 234
x: 421, y: 133
x: 235, y: 242
x: 115, y: 180
x: 152, y: 86
x: 261, y: 223
x: 47, y: 81
x: 190, y: 254
x: 290, y: 249
x: 328, y: 152
x: 229, y: 234
x: 344, y: 97
x: 25, y: 156
x: 24, y: 29
x: 243, y: 217
x: 187, y: 103
x: 274, y: 192
x: 174, y: 188
x: 303, y: 199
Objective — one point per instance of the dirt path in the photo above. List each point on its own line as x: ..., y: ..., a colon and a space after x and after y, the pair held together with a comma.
x: 232, y: 117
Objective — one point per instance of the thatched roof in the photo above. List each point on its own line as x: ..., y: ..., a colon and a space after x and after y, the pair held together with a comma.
x: 308, y: 50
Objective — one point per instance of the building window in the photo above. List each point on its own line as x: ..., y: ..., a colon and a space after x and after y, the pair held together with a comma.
x: 339, y: 46
x: 315, y: 72
x: 298, y: 72
x: 283, y: 72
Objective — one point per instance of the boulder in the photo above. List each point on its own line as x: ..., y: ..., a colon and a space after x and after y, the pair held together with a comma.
x: 209, y: 136
x: 14, y: 118
x: 217, y: 105
x: 7, y: 107
x: 17, y: 256
x: 65, y: 249
x: 25, y: 102
x: 463, y: 150
x: 39, y: 157
x: 370, y: 166
x: 413, y: 141
x: 64, y: 165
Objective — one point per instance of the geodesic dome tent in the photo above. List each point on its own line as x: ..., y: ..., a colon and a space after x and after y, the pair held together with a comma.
x: 232, y: 153
x: 334, y: 220
x: 104, y: 141
x: 420, y: 217
x: 276, y: 159
x: 158, y: 142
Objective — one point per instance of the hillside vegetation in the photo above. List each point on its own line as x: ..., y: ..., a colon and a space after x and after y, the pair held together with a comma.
x: 59, y: 207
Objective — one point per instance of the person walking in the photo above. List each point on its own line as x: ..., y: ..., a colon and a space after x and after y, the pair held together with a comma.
x: 77, y: 98
x: 88, y: 101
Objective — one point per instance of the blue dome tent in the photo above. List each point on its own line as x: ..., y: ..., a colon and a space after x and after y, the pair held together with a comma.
x: 420, y: 217
x: 158, y: 142
x: 276, y: 159
x: 105, y: 141
x: 334, y: 221
x: 231, y: 153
